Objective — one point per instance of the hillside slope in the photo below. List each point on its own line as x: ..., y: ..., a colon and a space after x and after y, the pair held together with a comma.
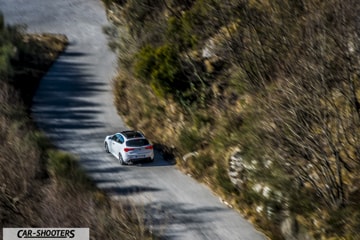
x: 258, y: 99
x: 41, y: 186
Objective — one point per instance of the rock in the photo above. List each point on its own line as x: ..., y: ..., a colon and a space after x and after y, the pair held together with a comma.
x: 208, y: 50
x: 236, y: 169
x: 188, y: 155
x: 291, y: 230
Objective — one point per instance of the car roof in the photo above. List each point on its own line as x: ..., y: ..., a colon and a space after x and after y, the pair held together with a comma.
x: 132, y: 134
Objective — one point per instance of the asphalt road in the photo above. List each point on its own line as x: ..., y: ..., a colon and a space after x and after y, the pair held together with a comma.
x: 74, y: 106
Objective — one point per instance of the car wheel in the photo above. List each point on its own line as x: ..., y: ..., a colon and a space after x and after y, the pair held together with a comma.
x: 151, y: 159
x: 121, y: 160
x: 107, y: 148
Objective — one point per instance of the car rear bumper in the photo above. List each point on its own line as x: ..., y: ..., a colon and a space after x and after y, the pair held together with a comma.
x: 139, y: 160
x: 136, y: 158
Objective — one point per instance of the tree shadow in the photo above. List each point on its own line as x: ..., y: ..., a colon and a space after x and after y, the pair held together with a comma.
x: 118, y: 190
x: 62, y: 102
x: 160, y: 159
x: 165, y: 217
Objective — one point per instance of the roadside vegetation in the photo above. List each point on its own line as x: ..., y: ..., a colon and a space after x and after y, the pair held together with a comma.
x: 41, y: 186
x: 271, y: 84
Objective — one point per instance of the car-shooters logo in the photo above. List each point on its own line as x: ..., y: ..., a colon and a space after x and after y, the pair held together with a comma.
x: 46, y: 233
x: 40, y: 233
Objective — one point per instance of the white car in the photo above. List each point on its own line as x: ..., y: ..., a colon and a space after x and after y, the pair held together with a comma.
x: 129, y: 147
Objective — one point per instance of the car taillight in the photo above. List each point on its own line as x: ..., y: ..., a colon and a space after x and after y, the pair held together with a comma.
x: 128, y: 149
x: 149, y: 147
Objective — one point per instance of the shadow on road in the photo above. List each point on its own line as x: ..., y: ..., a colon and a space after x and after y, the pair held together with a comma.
x: 165, y: 215
x: 127, y: 190
x: 159, y: 160
x: 61, y: 103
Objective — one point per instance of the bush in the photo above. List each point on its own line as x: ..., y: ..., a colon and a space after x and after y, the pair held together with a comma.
x: 6, y: 53
x: 201, y: 164
x: 202, y: 19
x: 223, y: 179
x: 189, y: 140
x: 65, y: 168
x: 145, y: 61
x: 9, y: 37
x: 139, y: 14
x: 179, y: 33
x: 160, y: 67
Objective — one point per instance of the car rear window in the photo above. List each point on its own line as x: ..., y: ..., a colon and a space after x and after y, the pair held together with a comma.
x: 137, y: 143
x: 132, y: 134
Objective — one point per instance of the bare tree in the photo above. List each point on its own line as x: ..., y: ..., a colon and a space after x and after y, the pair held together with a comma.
x: 314, y: 106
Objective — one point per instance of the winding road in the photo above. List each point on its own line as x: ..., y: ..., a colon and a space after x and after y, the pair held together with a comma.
x: 74, y: 106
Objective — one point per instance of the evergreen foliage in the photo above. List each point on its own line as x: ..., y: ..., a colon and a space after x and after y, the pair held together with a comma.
x: 8, y: 37
x: 160, y: 68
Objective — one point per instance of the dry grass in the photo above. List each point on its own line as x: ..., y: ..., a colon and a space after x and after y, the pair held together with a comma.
x: 40, y: 186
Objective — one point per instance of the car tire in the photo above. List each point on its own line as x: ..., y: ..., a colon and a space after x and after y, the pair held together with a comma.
x: 107, y: 148
x: 121, y: 160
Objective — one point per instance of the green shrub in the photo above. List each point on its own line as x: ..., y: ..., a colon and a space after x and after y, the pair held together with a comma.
x: 228, y: 132
x: 65, y: 168
x: 250, y: 197
x: 223, y: 179
x: 189, y: 140
x: 9, y: 38
x: 42, y: 143
x: 202, y: 20
x: 41, y: 140
x: 161, y: 68
x: 139, y: 13
x: 179, y: 33
x: 201, y: 164
x: 202, y: 119
x: 145, y: 62
x: 6, y: 53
